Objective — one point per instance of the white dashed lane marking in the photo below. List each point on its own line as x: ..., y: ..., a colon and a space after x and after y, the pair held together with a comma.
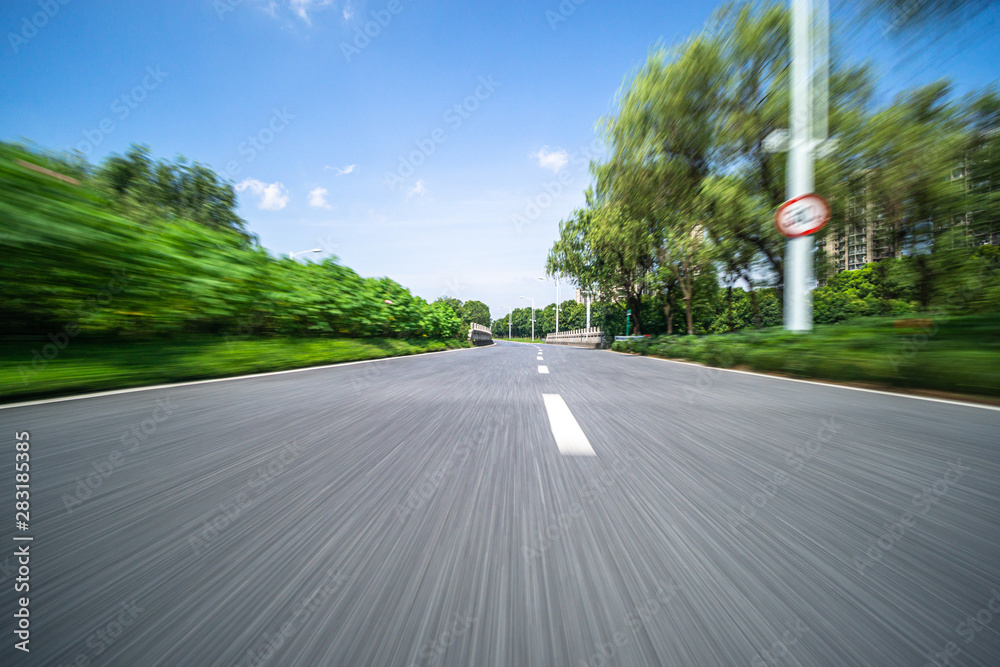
x: 543, y: 369
x: 570, y: 438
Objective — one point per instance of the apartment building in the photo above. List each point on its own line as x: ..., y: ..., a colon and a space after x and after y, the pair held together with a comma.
x: 865, y: 237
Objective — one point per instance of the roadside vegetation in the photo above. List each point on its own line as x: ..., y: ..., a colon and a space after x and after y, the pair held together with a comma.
x: 140, y: 270
x: 678, y: 224
x: 682, y: 204
x: 959, y: 354
x: 95, y: 365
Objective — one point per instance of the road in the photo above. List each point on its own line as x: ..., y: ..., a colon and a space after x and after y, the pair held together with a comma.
x: 464, y: 508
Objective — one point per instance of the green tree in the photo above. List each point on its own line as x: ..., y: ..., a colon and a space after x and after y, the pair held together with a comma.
x: 476, y: 311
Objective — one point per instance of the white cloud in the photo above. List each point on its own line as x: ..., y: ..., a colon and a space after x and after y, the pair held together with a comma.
x: 343, y: 172
x: 418, y: 189
x: 317, y: 198
x: 554, y: 160
x: 303, y: 7
x: 348, y: 12
x: 273, y: 196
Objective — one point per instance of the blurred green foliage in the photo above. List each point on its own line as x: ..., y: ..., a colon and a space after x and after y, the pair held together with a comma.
x: 94, y: 365
x: 945, y: 353
x: 137, y: 249
x: 683, y: 200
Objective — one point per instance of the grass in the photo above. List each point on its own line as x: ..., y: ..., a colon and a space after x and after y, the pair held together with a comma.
x: 522, y: 340
x: 87, y: 366
x: 952, y: 354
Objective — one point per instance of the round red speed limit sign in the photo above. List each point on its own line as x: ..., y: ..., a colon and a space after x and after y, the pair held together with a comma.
x: 802, y: 215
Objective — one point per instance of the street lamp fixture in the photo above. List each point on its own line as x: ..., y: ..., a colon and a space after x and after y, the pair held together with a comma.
x: 292, y: 255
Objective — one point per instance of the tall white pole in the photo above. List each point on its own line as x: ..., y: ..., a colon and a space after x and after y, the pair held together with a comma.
x: 532, y: 299
x: 557, y: 304
x: 588, y: 309
x: 799, y: 251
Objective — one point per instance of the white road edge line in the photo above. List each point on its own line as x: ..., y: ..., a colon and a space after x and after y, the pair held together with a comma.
x: 830, y: 384
x: 570, y: 438
x: 543, y: 369
x: 153, y: 387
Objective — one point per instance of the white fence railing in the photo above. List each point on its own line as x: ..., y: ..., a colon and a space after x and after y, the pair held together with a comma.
x: 592, y: 336
x: 480, y: 334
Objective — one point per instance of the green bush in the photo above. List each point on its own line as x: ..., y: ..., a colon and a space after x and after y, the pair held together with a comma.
x: 109, y: 257
x: 948, y: 353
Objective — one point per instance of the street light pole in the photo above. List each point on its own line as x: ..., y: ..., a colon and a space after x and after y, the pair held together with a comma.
x: 586, y: 296
x: 557, y: 300
x: 510, y: 319
x: 803, y: 139
x: 532, y: 299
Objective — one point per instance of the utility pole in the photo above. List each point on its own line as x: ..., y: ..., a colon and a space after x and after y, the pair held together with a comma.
x: 557, y: 303
x: 542, y: 278
x: 532, y: 299
x: 808, y: 97
x: 510, y: 319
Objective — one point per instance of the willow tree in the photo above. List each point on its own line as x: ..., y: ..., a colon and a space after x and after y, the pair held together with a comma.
x: 605, y: 249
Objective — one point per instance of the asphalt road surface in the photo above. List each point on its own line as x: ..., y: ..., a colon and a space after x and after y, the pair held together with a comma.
x: 469, y: 508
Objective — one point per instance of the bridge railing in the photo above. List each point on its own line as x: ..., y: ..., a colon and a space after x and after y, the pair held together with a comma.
x: 592, y: 337
x: 480, y: 335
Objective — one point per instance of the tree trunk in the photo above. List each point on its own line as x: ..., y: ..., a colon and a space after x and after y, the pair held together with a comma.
x: 666, y: 314
x: 686, y: 283
x: 635, y: 304
x: 729, y: 307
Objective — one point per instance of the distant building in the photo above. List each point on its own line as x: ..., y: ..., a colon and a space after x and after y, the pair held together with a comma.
x: 865, y: 237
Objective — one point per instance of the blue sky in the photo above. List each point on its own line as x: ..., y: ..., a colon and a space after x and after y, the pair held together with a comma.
x: 312, y: 121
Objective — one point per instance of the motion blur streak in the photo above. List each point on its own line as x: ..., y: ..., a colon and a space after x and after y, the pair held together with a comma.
x: 647, y: 568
